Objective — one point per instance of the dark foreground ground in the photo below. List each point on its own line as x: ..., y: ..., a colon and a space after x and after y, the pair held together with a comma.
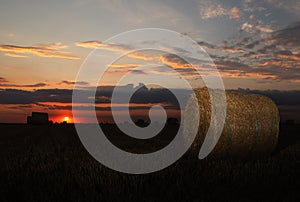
x: 48, y: 163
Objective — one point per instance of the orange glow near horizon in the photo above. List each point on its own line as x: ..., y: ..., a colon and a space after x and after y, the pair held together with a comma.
x: 65, y: 115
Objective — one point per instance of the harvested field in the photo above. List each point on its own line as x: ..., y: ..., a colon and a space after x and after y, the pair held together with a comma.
x: 48, y: 163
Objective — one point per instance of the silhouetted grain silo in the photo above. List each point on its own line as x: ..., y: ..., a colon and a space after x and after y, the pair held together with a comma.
x: 38, y: 118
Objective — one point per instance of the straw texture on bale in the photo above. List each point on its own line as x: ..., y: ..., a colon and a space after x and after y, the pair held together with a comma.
x: 251, y: 126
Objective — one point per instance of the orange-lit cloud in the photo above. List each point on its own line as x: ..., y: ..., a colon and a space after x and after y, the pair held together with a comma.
x: 100, y: 45
x: 233, y: 50
x: 174, y: 61
x: 269, y: 55
x: 210, y: 10
x: 50, y: 50
x: 14, y: 55
x: 114, y: 47
x: 121, y: 68
x: 138, y: 55
x: 88, y: 44
x: 289, y: 57
x: 23, y: 85
x: 258, y: 27
x: 243, y: 74
x: 126, y: 66
x: 280, y: 63
x: 234, y: 13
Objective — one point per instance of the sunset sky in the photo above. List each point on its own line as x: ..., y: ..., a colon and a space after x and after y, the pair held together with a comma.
x: 254, y: 44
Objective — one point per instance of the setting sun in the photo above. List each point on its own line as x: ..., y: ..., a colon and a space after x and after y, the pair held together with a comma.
x: 66, y: 118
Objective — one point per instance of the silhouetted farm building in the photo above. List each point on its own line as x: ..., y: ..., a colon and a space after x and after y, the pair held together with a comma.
x: 38, y: 118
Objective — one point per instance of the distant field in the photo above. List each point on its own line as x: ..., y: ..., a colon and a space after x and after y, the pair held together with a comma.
x: 49, y: 163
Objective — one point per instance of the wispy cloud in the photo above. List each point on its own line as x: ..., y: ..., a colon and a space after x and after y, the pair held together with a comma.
x: 291, y: 6
x: 251, y: 7
x: 123, y: 68
x: 126, y: 66
x: 14, y: 55
x: 139, y: 55
x: 100, y: 45
x: 8, y: 85
x: 2, y: 80
x: 288, y: 36
x: 257, y: 28
x: 51, y: 50
x: 274, y: 56
x: 233, y: 50
x: 174, y: 61
x: 114, y: 47
x: 65, y: 82
x: 213, y: 9
x: 88, y: 44
x: 103, y: 96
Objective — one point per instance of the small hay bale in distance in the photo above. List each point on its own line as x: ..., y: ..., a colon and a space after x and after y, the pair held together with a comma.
x: 251, y: 126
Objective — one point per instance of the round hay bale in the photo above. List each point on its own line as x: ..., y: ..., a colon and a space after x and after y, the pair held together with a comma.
x: 251, y: 126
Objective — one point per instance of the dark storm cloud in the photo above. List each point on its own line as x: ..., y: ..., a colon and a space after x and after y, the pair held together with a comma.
x: 53, y: 95
x: 142, y: 95
x: 14, y: 96
x: 287, y: 101
x: 143, y: 99
x: 88, y: 108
